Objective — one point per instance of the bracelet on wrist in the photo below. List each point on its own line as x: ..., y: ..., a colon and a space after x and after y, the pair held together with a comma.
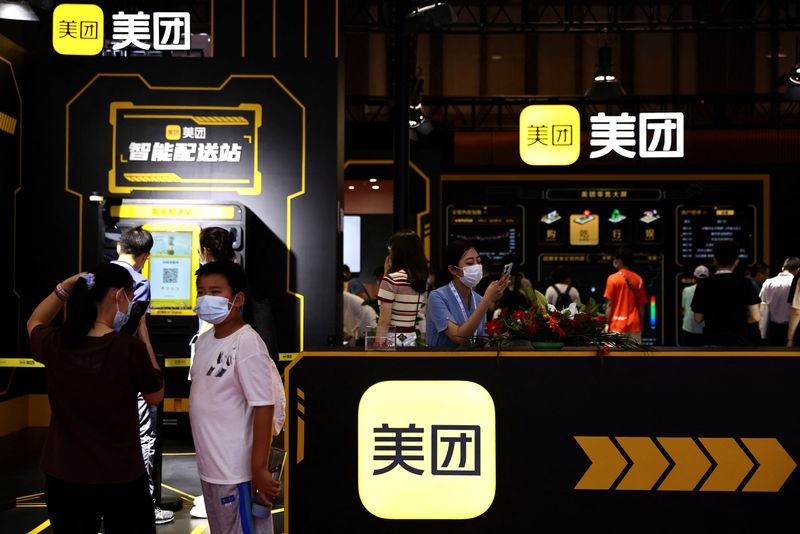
x: 61, y: 293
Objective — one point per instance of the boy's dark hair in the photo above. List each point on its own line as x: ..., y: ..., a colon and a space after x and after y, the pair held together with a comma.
x: 232, y: 272
x: 135, y: 241
x: 83, y: 300
x: 219, y: 243
x: 624, y: 254
x: 726, y: 252
x: 560, y: 275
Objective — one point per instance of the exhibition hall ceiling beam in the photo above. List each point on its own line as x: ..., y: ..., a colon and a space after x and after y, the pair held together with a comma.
x: 502, y: 113
x: 519, y: 16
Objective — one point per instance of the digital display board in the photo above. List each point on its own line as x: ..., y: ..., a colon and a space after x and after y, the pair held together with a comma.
x: 676, y: 216
x: 589, y: 273
x: 173, y: 260
x: 700, y: 227
x: 497, y: 231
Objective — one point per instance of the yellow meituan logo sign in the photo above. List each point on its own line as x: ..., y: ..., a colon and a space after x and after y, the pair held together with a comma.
x: 426, y: 450
x: 78, y: 29
x: 549, y: 135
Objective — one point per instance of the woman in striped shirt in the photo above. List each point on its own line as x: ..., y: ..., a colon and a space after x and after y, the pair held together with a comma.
x: 402, y: 293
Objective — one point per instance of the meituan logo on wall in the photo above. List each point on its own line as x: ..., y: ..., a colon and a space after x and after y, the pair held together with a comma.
x: 426, y: 449
x: 551, y: 135
x: 78, y: 29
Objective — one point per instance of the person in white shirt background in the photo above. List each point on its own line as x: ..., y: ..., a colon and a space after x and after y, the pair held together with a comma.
x: 691, y: 331
x: 775, y: 305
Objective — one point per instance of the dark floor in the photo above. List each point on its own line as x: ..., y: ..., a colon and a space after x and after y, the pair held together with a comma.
x: 22, y: 509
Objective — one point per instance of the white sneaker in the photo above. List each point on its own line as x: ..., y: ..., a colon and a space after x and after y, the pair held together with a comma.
x: 199, y: 508
x: 164, y: 516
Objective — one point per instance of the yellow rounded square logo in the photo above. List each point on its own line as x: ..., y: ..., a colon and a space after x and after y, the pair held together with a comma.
x: 426, y: 449
x: 78, y: 29
x: 549, y: 135
x: 173, y: 132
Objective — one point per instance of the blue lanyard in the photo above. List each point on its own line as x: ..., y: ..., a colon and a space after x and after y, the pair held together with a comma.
x: 459, y: 300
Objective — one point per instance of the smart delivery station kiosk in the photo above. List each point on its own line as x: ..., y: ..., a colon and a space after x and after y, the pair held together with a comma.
x: 174, y: 258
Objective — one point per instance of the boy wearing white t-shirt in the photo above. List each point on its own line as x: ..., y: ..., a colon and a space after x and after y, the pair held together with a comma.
x: 235, y: 405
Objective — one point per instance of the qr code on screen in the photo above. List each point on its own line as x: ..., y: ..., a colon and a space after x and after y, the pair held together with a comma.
x: 170, y: 276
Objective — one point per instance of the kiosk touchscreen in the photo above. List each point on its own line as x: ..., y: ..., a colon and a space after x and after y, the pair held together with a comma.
x: 173, y: 261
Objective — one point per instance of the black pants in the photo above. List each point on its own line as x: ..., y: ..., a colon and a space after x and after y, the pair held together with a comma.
x: 690, y: 339
x: 777, y: 334
x: 76, y: 508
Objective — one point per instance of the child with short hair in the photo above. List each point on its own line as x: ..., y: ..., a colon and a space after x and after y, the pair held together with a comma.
x: 235, y: 404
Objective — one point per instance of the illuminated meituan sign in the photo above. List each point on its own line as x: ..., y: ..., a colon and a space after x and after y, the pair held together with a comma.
x: 426, y: 450
x: 550, y: 135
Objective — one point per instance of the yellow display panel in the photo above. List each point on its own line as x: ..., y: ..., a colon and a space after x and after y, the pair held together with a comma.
x: 549, y: 135
x: 171, y: 266
x: 174, y: 211
x: 78, y: 29
x: 584, y: 229
x: 426, y: 449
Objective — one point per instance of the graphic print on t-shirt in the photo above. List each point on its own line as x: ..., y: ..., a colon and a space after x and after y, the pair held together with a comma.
x: 223, y: 362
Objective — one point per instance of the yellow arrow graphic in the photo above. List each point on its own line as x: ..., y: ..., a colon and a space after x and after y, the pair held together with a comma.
x: 775, y: 464
x: 607, y: 463
x: 648, y: 463
x: 732, y: 464
x: 690, y: 464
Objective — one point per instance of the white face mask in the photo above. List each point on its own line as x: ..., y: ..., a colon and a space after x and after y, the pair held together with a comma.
x: 472, y: 275
x: 120, y: 318
x: 213, y: 309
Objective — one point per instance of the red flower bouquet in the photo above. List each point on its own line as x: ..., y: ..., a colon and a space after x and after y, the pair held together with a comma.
x: 582, y: 326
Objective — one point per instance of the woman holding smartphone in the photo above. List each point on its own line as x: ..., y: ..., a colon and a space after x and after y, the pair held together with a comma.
x: 456, y: 313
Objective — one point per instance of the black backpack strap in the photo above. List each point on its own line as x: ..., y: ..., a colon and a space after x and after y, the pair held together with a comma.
x: 792, y: 289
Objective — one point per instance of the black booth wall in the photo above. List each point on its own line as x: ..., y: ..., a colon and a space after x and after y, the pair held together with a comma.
x: 299, y: 83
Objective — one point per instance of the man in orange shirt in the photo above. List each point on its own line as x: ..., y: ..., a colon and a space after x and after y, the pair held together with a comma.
x: 625, y: 298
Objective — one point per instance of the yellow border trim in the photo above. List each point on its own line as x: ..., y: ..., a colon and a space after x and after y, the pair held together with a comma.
x: 40, y: 528
x: 589, y: 353
x: 289, y: 198
x: 336, y: 29
x: 305, y: 29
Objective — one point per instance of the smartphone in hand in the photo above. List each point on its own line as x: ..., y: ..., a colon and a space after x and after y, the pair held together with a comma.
x: 138, y: 310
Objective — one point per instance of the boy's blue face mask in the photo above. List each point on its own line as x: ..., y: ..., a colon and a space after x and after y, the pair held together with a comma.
x: 213, y: 309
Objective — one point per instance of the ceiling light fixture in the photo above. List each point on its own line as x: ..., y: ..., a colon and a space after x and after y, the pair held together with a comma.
x: 793, y: 86
x: 17, y: 10
x: 605, y: 84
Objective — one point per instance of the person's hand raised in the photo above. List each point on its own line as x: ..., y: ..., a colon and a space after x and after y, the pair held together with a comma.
x: 495, y: 290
